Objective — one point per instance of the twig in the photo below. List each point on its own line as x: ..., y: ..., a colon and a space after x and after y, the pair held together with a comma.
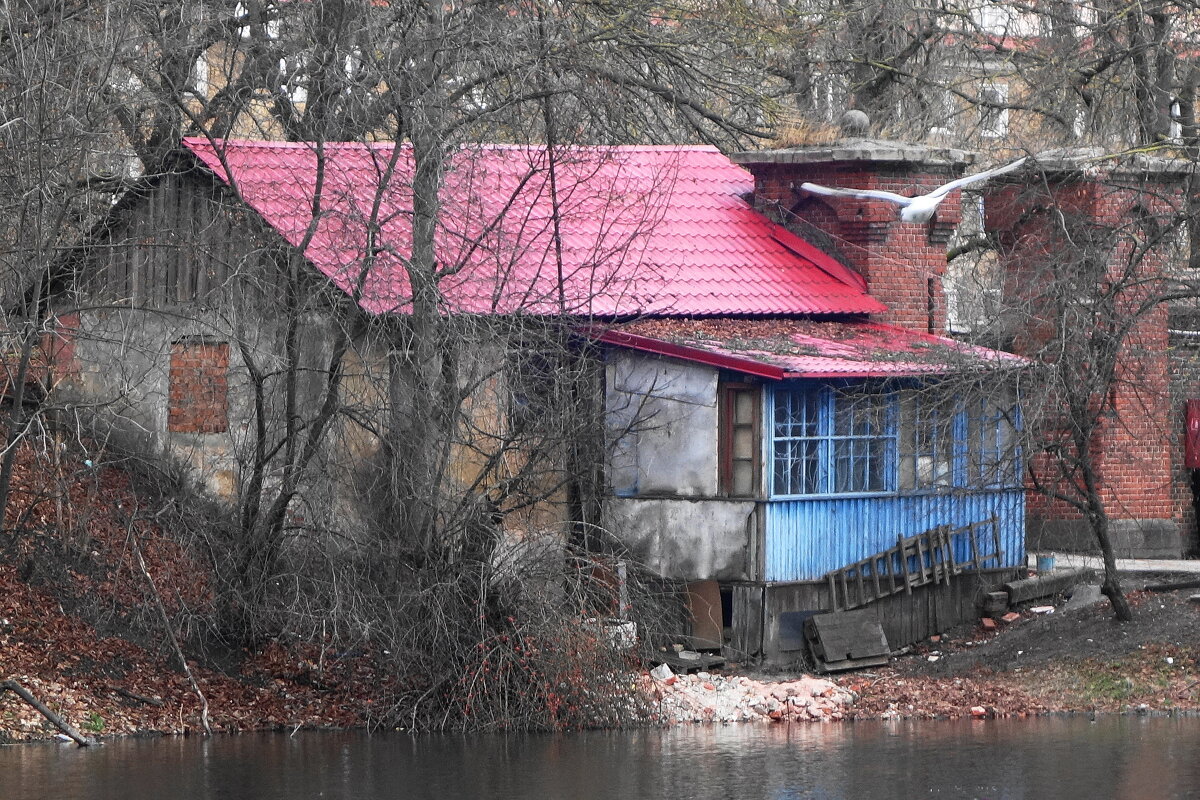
x: 162, y: 610
x: 140, y: 698
x: 59, y: 722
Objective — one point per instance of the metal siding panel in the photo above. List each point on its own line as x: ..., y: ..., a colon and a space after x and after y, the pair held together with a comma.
x: 807, y: 538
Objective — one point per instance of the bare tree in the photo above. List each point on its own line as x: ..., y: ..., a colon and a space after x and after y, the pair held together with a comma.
x: 1086, y: 290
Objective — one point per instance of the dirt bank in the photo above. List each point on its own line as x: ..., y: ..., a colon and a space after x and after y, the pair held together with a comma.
x: 71, y: 608
x: 1066, y: 661
x: 1077, y: 660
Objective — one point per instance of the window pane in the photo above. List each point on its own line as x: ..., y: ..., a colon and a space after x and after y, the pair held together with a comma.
x: 743, y: 442
x: 926, y: 439
x: 743, y: 407
x: 743, y: 477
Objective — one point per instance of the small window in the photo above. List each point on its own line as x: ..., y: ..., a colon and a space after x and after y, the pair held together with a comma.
x: 293, y: 78
x: 741, y: 439
x: 199, y: 79
x: 861, y: 442
x: 271, y: 28
x: 198, y: 392
x: 993, y: 116
x: 797, y: 437
x: 992, y: 445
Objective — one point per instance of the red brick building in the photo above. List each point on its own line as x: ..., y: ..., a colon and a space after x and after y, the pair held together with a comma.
x: 1082, y: 241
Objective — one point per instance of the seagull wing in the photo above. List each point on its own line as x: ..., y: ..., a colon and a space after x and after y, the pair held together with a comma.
x: 945, y: 189
x: 861, y: 194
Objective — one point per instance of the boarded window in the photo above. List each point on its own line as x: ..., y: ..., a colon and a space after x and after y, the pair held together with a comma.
x: 198, y: 396
x: 741, y: 439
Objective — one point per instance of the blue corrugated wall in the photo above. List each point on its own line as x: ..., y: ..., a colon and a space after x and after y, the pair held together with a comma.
x: 807, y: 538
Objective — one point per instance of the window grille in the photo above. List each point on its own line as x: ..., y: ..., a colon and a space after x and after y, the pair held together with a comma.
x: 831, y: 442
x: 881, y: 439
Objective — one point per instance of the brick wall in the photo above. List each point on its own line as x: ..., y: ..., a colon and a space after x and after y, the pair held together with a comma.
x: 198, y: 394
x: 1044, y: 233
x: 1184, y: 357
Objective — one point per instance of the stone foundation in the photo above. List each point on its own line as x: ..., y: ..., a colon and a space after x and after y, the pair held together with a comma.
x: 1132, y: 538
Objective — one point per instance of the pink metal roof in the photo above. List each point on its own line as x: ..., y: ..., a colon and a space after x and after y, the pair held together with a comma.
x: 643, y: 230
x: 793, y: 348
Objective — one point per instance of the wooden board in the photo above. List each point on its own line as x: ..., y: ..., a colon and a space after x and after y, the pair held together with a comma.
x: 747, y: 620
x: 686, y: 665
x: 1051, y: 583
x: 846, y: 640
x: 704, y: 604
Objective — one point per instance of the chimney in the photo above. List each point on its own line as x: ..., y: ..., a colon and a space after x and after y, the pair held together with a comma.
x: 902, y: 262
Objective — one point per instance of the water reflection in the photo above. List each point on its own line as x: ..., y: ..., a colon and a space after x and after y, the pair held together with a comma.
x: 1120, y: 758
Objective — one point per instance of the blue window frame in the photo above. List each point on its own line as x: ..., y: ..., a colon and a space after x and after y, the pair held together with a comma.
x: 884, y: 438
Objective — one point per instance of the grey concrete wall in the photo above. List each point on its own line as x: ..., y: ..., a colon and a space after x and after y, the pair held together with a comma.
x: 687, y: 539
x: 663, y: 417
x: 1131, y: 538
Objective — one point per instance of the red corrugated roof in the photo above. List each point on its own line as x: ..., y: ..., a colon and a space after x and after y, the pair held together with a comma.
x: 644, y: 230
x: 792, y: 348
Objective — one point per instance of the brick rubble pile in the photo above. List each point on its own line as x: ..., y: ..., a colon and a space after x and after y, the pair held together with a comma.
x: 706, y: 697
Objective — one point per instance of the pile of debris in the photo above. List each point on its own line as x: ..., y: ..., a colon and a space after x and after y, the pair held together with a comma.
x: 708, y: 697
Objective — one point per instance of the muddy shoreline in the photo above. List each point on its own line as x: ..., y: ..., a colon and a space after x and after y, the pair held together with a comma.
x: 1078, y: 662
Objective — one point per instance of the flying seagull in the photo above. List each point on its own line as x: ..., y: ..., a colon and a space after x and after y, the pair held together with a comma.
x: 914, y: 209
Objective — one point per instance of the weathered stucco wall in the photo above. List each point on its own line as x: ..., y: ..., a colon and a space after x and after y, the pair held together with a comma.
x: 687, y: 539
x: 662, y: 415
x: 116, y: 364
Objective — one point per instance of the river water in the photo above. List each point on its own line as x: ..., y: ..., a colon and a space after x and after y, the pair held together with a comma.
x: 1114, y: 757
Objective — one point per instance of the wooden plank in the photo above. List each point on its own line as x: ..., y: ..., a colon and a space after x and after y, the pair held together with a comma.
x: 677, y: 663
x: 846, y: 640
x: 704, y: 607
x: 971, y: 534
x: 921, y: 561
x: 747, y: 620
x: 947, y: 555
x: 833, y: 601
x: 904, y: 565
x: 892, y: 570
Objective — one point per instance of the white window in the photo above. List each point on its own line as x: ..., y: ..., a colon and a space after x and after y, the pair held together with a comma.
x: 273, y: 27
x: 198, y: 82
x: 993, y: 117
x: 293, y: 79
x: 829, y: 94
x: 993, y: 18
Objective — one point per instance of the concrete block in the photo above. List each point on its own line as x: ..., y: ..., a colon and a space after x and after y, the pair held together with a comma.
x: 1084, y: 595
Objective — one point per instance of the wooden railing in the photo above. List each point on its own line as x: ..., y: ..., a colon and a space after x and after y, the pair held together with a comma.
x: 915, y: 561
